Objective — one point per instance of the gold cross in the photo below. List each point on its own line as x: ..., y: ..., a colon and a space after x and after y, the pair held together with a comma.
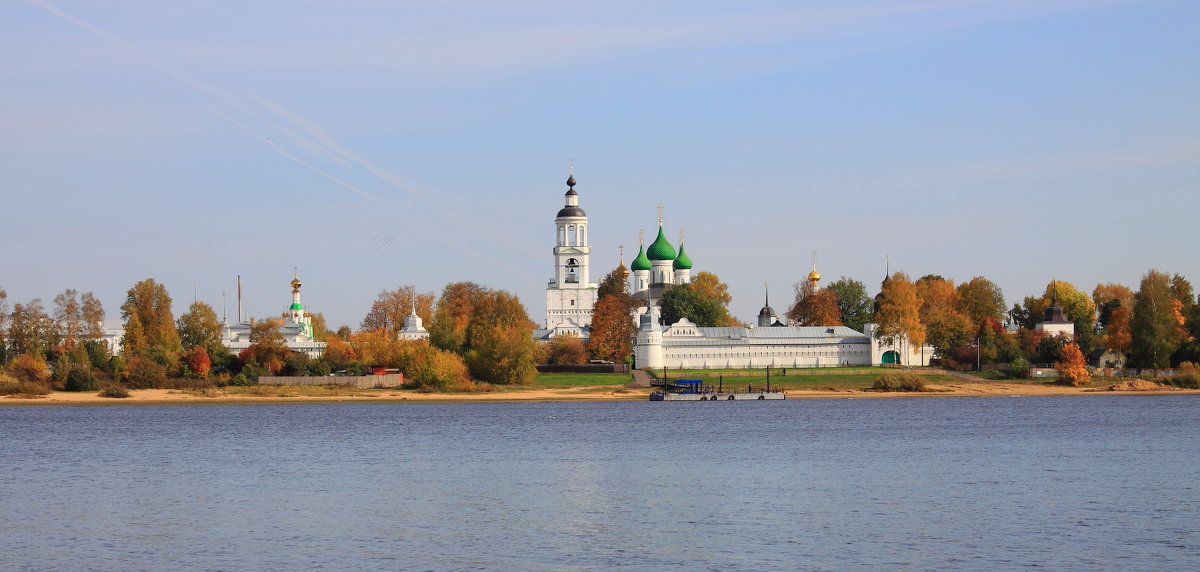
x: 660, y: 207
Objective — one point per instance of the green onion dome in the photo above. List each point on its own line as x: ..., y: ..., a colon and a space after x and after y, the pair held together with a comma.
x: 660, y: 249
x: 296, y: 306
x: 641, y: 262
x: 683, y: 261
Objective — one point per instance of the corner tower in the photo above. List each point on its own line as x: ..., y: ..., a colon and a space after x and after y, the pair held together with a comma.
x: 570, y: 295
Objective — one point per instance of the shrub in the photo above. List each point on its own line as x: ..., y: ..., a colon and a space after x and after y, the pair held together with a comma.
x: 114, y: 390
x: 1188, y: 379
x: 142, y: 373
x: 81, y: 378
x: 29, y: 367
x: 899, y: 382
x: 17, y: 388
x: 241, y: 380
x: 1019, y: 368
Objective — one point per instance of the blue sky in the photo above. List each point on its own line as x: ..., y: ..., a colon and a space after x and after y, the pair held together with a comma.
x: 378, y: 144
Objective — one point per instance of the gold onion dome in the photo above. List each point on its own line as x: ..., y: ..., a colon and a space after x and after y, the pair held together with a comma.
x: 814, y: 275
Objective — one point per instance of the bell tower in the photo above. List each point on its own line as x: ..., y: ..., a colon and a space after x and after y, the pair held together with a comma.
x: 570, y: 294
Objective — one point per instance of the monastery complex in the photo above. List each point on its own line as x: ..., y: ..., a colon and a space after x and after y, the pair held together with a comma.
x: 571, y: 297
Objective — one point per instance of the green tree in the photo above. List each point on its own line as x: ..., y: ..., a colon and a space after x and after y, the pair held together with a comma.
x: 709, y: 286
x: 199, y: 326
x: 854, y: 304
x: 1155, y: 326
x: 499, y: 346
x: 684, y: 301
x: 149, y: 302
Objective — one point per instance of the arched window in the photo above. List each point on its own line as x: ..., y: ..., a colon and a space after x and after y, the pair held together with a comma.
x: 572, y: 271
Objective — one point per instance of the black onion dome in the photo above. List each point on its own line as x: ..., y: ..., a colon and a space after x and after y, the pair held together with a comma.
x: 571, y: 180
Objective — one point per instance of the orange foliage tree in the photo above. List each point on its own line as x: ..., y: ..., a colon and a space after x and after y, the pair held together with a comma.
x: 1073, y: 368
x: 813, y: 307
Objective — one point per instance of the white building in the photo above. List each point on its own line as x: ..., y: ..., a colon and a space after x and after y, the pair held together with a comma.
x: 1054, y: 321
x: 413, y: 328
x: 684, y: 345
x: 570, y: 294
x: 296, y: 329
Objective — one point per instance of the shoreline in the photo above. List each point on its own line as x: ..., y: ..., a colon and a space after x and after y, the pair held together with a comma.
x: 167, y: 397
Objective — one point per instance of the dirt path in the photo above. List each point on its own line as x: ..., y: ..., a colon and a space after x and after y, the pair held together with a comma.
x: 641, y: 379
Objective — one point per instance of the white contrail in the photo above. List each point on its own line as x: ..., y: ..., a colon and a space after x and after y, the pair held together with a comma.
x: 331, y: 145
x: 281, y: 151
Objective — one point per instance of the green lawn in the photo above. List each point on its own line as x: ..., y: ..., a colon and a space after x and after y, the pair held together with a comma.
x: 558, y: 380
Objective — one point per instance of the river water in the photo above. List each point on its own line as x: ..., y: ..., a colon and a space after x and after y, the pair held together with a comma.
x: 1060, y: 483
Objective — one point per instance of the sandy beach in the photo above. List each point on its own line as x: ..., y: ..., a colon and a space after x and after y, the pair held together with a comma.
x: 276, y: 395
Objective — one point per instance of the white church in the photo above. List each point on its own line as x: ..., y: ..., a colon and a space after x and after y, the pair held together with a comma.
x: 296, y: 329
x: 571, y: 297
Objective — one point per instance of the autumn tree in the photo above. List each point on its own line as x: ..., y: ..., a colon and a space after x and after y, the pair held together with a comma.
x: 947, y: 326
x: 199, y: 362
x: 1155, y: 326
x: 30, y: 329
x: 77, y: 319
x: 3, y: 326
x: 1108, y: 297
x: 613, y: 283
x: 708, y: 286
x: 854, y: 304
x: 320, y: 331
x: 267, y: 349
x: 1114, y: 305
x: 149, y: 303
x: 980, y: 299
x: 448, y: 329
x: 199, y: 326
x: 498, y: 341
x: 613, y: 329
x: 1073, y: 367
x: 566, y: 350
x: 814, y: 307
x: 899, y: 314
x: 391, y: 307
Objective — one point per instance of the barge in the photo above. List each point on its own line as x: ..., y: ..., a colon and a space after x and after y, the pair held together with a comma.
x: 697, y: 390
